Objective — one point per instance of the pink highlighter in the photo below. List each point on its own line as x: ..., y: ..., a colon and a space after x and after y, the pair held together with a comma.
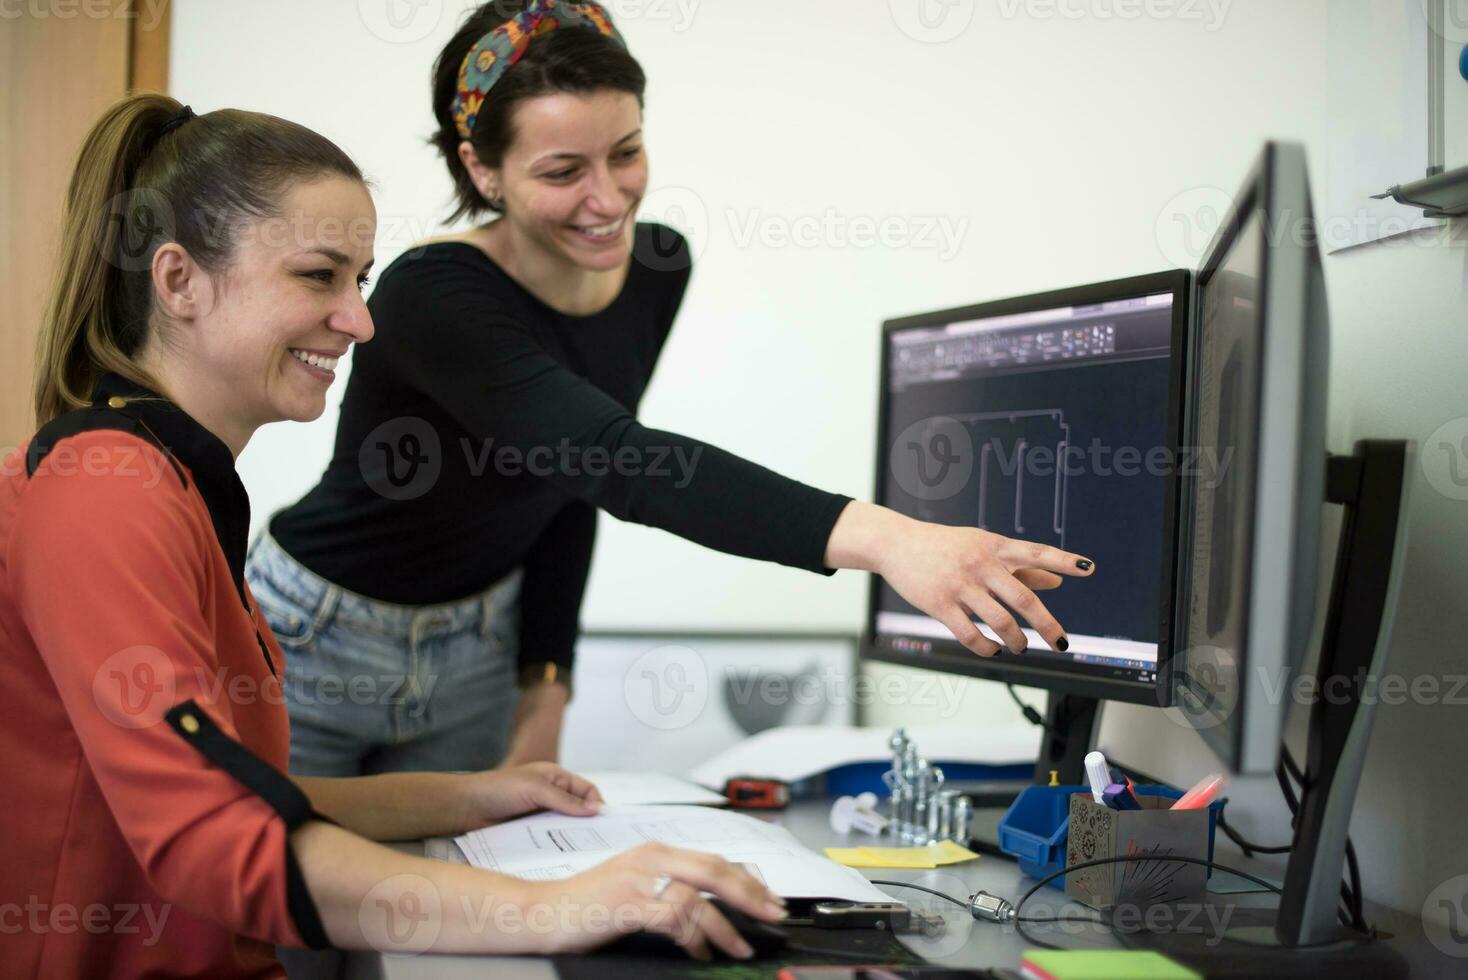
x: 1202, y: 794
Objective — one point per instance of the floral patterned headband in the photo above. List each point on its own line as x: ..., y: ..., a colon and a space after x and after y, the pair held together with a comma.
x: 487, y: 62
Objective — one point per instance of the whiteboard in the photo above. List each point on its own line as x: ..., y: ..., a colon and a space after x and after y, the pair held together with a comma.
x: 1377, y: 57
x: 1453, y: 39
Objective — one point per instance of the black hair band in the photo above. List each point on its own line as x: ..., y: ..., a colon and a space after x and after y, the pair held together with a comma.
x: 176, y: 120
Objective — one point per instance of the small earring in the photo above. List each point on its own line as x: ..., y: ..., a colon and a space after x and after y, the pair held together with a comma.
x: 496, y: 202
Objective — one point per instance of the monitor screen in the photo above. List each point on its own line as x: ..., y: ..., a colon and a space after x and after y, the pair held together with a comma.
x: 1220, y: 522
x: 1053, y: 423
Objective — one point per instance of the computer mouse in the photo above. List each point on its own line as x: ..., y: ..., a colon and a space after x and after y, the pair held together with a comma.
x: 765, y: 938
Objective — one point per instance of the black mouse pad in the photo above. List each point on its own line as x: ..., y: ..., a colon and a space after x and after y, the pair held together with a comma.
x: 652, y: 957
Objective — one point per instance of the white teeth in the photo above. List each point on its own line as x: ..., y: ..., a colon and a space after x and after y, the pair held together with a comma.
x: 602, y: 231
x: 315, y: 360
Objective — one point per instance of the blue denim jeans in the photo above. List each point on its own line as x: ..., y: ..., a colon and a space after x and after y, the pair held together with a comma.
x: 378, y: 687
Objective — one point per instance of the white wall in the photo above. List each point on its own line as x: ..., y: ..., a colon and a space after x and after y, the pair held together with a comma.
x: 671, y: 702
x: 1049, y: 146
x: 1063, y: 149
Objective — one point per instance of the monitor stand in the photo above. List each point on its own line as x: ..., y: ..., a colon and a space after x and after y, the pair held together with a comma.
x: 1070, y: 730
x: 1303, y: 935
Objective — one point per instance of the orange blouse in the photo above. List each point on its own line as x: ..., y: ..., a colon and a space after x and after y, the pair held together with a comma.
x: 144, y: 737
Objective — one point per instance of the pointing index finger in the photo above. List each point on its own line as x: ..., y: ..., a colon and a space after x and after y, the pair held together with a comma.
x: 1028, y: 554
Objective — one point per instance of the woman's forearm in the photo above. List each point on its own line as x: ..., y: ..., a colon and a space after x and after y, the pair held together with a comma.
x: 860, y: 535
x: 373, y: 897
x: 535, y: 730
x: 392, y: 806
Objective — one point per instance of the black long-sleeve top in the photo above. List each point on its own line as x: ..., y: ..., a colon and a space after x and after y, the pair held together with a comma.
x: 481, y: 429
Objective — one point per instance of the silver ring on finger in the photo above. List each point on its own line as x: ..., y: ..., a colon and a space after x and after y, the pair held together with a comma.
x: 661, y: 885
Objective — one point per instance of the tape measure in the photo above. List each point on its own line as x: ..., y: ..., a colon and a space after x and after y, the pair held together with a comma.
x: 754, y: 793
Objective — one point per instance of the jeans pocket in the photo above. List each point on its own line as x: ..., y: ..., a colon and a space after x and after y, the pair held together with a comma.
x: 500, y: 629
x: 293, y: 625
x: 502, y: 637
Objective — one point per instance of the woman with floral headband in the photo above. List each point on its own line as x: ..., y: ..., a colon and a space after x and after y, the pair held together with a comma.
x: 496, y: 412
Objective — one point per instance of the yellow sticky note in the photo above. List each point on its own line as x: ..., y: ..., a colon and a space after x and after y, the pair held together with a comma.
x: 899, y: 857
x: 947, y: 852
x: 931, y: 856
x: 849, y: 856
x: 881, y: 857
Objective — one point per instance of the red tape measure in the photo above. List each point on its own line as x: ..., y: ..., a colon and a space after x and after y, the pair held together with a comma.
x: 753, y: 793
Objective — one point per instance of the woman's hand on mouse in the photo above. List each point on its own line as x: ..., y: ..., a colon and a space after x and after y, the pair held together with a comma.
x: 622, y: 896
x: 953, y: 572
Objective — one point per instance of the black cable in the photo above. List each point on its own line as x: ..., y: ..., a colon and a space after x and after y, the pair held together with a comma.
x: 1103, y: 918
x: 1358, y: 912
x: 1123, y: 858
x: 1348, y: 915
x: 1019, y: 920
x: 944, y: 895
x: 967, y: 908
x: 1028, y: 710
x: 1354, y: 914
x: 1287, y: 788
x: 1063, y: 918
x: 1247, y: 846
x: 921, y: 888
x: 1289, y: 763
x: 1283, y: 771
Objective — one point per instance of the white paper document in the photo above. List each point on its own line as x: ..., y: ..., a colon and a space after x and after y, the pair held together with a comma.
x: 636, y: 788
x: 551, y: 846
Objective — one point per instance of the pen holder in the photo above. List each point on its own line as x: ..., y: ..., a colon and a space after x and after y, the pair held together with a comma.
x: 1151, y: 834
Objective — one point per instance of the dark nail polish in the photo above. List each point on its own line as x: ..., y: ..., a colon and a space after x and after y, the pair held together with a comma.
x: 1062, y: 644
x: 1084, y: 564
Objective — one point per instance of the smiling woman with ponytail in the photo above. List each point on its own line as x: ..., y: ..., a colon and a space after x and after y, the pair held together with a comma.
x: 152, y: 172
x: 209, y: 266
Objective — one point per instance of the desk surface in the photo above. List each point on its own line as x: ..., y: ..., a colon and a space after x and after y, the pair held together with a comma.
x: 964, y: 942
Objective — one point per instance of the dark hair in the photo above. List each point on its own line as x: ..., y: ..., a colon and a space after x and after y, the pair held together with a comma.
x: 571, y: 59
x: 137, y: 187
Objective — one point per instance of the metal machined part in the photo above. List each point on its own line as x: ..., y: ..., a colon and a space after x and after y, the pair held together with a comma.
x: 990, y: 908
x: 963, y: 815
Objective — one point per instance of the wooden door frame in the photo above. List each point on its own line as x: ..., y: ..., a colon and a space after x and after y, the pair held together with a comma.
x: 62, y: 66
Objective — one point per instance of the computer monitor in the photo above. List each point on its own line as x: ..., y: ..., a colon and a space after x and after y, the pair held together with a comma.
x: 1053, y: 417
x: 1224, y: 545
x: 1250, y: 533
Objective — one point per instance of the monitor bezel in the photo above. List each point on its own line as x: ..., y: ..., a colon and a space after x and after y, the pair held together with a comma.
x: 1014, y: 669
x: 1286, y: 522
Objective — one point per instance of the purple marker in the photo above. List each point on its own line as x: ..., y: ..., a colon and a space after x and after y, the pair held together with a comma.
x: 1118, y: 797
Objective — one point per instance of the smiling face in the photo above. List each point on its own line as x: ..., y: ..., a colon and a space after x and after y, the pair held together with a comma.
x: 299, y: 283
x: 258, y: 341
x: 574, y: 176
